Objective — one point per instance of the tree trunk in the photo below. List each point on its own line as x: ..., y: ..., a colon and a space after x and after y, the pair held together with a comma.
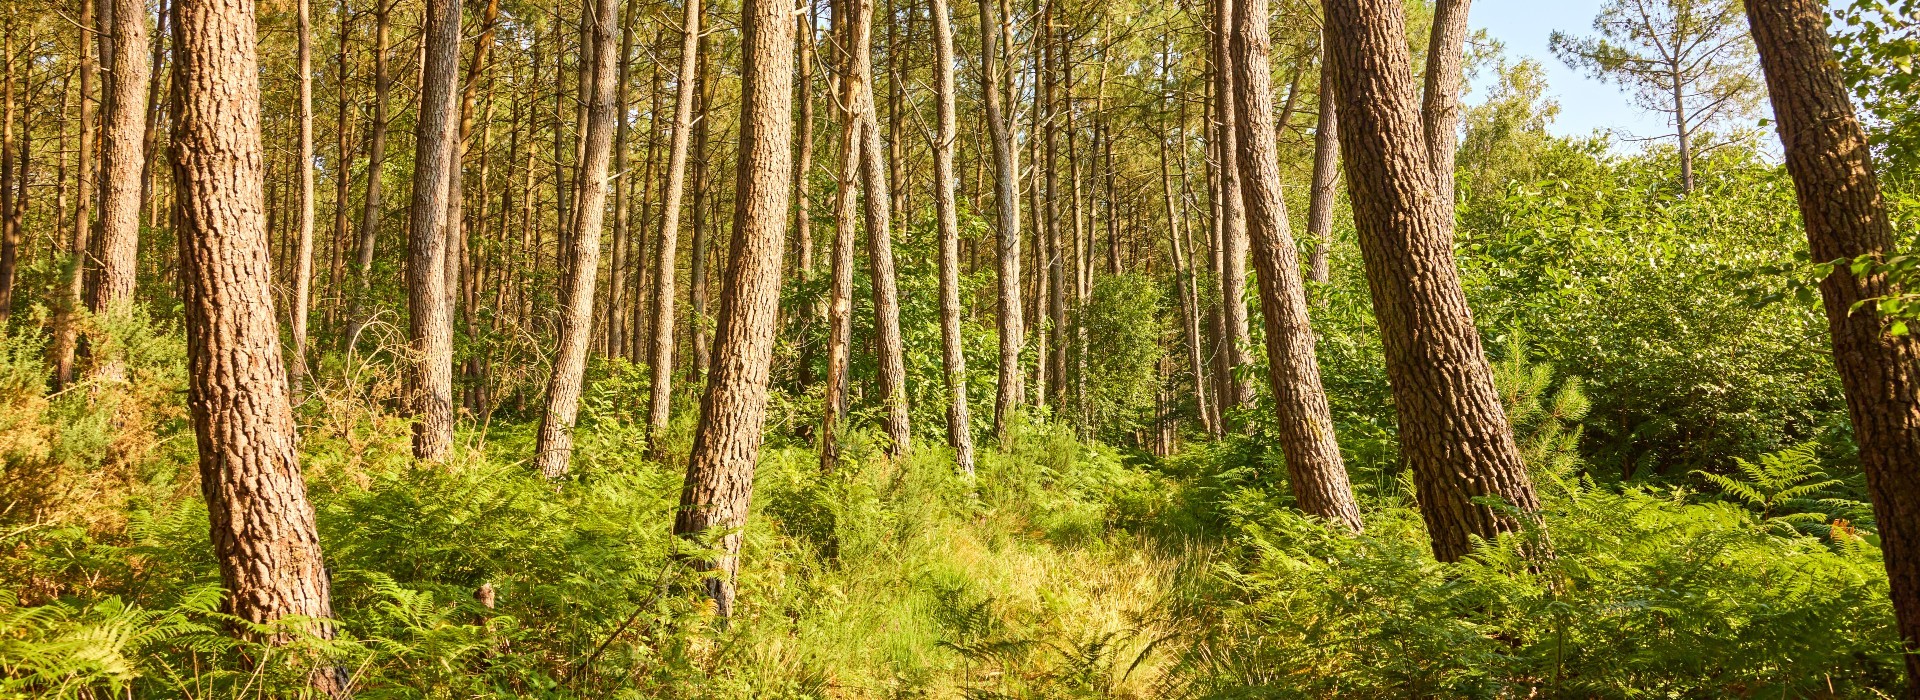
x: 370, y: 211
x: 616, y: 318
x: 726, y: 445
x: 661, y: 399
x: 429, y: 318
x: 1453, y: 432
x: 342, y: 172
x: 1440, y: 108
x: 555, y: 446
x: 1236, y: 392
x: 457, y: 235
x: 262, y: 524
x: 702, y: 244
x: 840, y: 287
x: 1326, y: 178
x: 802, y: 198
x: 1829, y: 158
x: 67, y: 328
x: 953, y: 360
x: 876, y: 197
x: 1011, y: 392
x: 1189, y: 295
x: 9, y: 203
x: 303, y: 260
x: 1685, y: 131
x: 1304, y: 421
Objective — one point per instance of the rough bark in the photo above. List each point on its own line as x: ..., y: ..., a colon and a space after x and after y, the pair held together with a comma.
x: 840, y: 287
x: 1326, y: 177
x: 1830, y: 161
x: 1453, y: 432
x: 1011, y: 392
x: 953, y: 360
x: 699, y: 320
x: 1440, y: 106
x: 1316, y: 473
x: 877, y: 200
x: 429, y: 316
x: 726, y: 445
x: 555, y: 446
x: 614, y: 338
x: 303, y: 258
x: 262, y: 523
x: 661, y: 398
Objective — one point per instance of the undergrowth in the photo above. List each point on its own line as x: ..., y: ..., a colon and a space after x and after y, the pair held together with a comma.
x: 1063, y: 570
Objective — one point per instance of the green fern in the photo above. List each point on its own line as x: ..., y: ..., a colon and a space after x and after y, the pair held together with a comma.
x: 1783, y: 487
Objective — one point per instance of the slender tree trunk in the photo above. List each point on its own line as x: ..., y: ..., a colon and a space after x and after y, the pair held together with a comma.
x: 342, y: 177
x: 661, y: 400
x: 1684, y: 130
x: 1189, y: 295
x: 840, y: 287
x: 802, y: 198
x: 1326, y: 177
x: 1011, y: 393
x: 876, y: 197
x: 262, y: 524
x: 726, y: 445
x: 9, y: 202
x: 702, y: 225
x: 953, y: 359
x: 1237, y: 391
x: 429, y: 318
x: 1827, y: 154
x: 156, y: 59
x: 370, y: 211
x: 1453, y: 432
x: 124, y: 151
x: 1305, y: 423
x: 67, y: 330
x: 555, y: 447
x: 616, y: 330
x: 1440, y: 107
x: 303, y: 260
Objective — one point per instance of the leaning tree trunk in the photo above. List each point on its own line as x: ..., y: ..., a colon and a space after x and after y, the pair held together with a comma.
x: 1453, y: 432
x: 1011, y: 392
x: 1440, y: 107
x: 262, y: 524
x: 124, y: 159
x: 555, y: 446
x: 1326, y: 176
x: 873, y: 179
x: 429, y: 317
x: 1832, y: 167
x: 953, y: 359
x: 726, y: 444
x: 66, y: 330
x: 1305, y: 423
x: 661, y: 399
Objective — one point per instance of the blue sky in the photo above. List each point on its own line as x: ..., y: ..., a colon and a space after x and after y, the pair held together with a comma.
x: 1586, y: 104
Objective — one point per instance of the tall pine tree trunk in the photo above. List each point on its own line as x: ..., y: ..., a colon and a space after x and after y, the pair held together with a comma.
x: 429, y: 316
x: 726, y: 445
x: 661, y: 359
x: 262, y: 523
x: 371, y: 206
x: 1440, y: 106
x: 1453, y: 432
x: 877, y: 200
x: 555, y: 446
x: 1304, y: 421
x: 66, y: 338
x: 1326, y: 176
x: 1011, y: 392
x: 303, y: 259
x: 953, y: 360
x: 1828, y: 155
x: 1236, y: 391
x: 840, y: 287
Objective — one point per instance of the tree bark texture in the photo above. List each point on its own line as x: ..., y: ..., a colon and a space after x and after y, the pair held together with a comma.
x: 1237, y: 337
x: 262, y: 523
x: 1011, y: 392
x: 726, y: 445
x: 124, y: 159
x: 1453, y: 431
x: 1326, y: 176
x: 877, y: 200
x: 1440, y: 107
x: 661, y: 359
x: 555, y: 446
x: 370, y: 207
x: 953, y: 359
x: 1829, y: 158
x: 1316, y: 472
x: 429, y: 313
